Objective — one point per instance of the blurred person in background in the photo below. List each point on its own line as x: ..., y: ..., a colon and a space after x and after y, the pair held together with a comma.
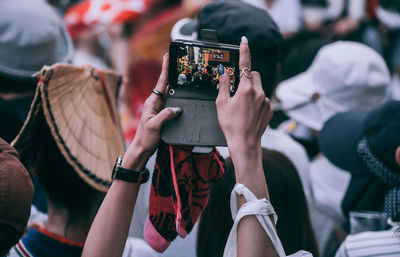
x: 286, y: 194
x: 388, y: 41
x: 318, y: 12
x: 129, y: 36
x: 24, y: 49
x: 69, y: 141
x: 333, y: 20
x: 71, y: 205
x: 287, y: 14
x: 101, y: 30
x: 15, y: 197
x: 295, y: 61
x: 89, y: 50
x: 351, y: 23
x: 336, y: 74
x: 337, y: 17
x: 367, y: 145
x: 32, y: 35
x: 343, y: 76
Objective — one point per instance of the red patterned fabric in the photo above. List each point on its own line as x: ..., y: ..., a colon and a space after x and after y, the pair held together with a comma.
x: 179, y: 192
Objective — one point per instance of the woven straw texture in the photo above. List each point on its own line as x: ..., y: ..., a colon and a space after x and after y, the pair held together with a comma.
x: 79, y: 105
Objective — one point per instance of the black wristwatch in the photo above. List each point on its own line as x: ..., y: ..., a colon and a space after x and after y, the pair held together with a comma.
x: 131, y: 176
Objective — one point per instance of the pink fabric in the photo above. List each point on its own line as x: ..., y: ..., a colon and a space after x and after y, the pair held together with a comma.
x: 153, y: 238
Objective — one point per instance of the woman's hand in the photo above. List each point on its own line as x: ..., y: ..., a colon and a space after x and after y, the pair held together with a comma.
x: 244, y: 117
x: 153, y: 116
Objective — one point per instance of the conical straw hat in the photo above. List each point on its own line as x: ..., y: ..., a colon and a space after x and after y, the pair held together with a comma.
x: 79, y: 106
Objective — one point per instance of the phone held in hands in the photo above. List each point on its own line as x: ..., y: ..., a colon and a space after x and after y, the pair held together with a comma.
x: 194, y: 66
x: 193, y: 86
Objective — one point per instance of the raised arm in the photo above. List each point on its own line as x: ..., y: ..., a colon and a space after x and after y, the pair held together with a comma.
x: 243, y: 119
x: 109, y: 231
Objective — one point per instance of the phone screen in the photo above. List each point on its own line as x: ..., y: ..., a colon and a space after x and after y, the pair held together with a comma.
x: 197, y: 67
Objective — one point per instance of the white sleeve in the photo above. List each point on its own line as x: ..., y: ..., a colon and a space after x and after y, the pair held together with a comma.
x: 293, y: 17
x: 356, y: 9
x: 261, y: 208
x: 342, y: 252
x: 313, y: 14
x: 321, y: 14
x: 389, y: 18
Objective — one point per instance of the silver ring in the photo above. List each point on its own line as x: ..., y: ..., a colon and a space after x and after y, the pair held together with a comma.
x: 246, y: 72
x: 157, y: 93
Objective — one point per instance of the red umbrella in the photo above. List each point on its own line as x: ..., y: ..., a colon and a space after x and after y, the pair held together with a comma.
x: 103, y: 12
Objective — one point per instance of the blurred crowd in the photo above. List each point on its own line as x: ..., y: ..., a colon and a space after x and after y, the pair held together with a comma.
x: 74, y: 79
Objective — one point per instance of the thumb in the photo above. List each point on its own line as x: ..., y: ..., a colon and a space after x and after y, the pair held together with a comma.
x: 166, y: 114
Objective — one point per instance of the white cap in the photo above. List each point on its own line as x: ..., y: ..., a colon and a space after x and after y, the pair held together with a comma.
x: 343, y: 76
x: 185, y: 29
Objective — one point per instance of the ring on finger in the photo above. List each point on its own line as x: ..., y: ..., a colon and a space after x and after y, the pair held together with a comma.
x: 246, y: 72
x: 157, y: 93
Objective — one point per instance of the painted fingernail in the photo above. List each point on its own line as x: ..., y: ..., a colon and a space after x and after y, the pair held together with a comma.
x: 221, y: 69
x: 165, y: 55
x: 177, y: 110
x: 244, y: 40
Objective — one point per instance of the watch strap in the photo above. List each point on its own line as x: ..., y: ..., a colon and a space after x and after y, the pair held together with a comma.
x: 132, y: 175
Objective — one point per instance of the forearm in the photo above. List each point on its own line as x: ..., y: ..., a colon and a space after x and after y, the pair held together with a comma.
x: 110, y: 228
x: 249, y: 170
x: 252, y: 239
x: 109, y: 231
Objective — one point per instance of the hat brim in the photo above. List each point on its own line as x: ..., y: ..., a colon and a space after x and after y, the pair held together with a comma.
x: 295, y: 96
x: 339, y: 138
x: 65, y: 51
x: 185, y: 29
x: 78, y: 104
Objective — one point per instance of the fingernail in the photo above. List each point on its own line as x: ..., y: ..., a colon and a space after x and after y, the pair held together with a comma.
x: 244, y: 40
x: 177, y: 110
x: 165, y: 55
x: 221, y: 69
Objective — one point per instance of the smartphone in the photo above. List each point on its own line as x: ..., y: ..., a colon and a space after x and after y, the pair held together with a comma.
x: 193, y: 86
x: 193, y: 65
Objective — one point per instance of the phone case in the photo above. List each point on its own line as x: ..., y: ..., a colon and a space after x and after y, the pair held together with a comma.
x: 197, y: 125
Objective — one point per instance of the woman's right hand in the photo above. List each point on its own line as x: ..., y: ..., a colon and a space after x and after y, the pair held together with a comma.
x: 243, y: 119
x: 245, y: 116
